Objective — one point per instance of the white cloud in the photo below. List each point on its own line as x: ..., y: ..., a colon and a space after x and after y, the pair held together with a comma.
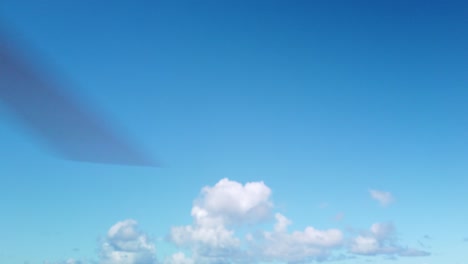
x: 298, y: 246
x: 219, y: 208
x: 384, y: 198
x: 229, y: 204
x: 380, y: 240
x: 382, y: 230
x: 125, y: 244
x: 210, y: 236
x: 365, y: 245
x: 179, y: 258
x: 282, y: 223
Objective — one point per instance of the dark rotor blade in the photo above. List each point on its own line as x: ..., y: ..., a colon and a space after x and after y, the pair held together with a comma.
x: 67, y: 126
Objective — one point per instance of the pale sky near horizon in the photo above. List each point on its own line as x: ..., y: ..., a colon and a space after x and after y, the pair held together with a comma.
x: 290, y: 132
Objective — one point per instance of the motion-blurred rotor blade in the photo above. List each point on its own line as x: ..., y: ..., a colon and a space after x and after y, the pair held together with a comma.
x: 68, y: 127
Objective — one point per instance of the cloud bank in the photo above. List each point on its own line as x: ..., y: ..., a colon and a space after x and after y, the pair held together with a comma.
x: 228, y: 226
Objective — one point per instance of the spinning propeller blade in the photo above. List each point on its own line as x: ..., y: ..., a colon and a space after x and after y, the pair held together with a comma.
x: 69, y: 127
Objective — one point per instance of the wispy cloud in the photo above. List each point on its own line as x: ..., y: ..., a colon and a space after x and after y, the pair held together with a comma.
x: 323, y: 205
x: 383, y: 197
x: 296, y: 246
x: 339, y: 217
x: 69, y: 261
x: 381, y: 240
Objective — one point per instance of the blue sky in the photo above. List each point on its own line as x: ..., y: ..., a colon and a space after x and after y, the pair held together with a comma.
x: 322, y: 101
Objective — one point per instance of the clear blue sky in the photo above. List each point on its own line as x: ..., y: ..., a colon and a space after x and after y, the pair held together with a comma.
x: 323, y: 101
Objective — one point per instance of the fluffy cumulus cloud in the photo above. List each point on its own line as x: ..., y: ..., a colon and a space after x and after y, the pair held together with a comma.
x: 229, y: 204
x: 384, y: 198
x: 381, y: 240
x: 219, y: 208
x: 125, y: 244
